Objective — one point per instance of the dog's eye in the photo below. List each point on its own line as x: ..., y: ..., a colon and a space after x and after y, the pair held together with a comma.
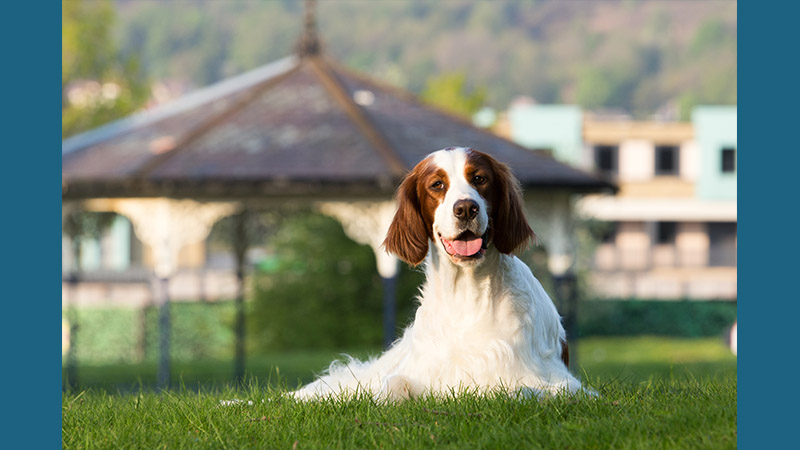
x: 437, y: 186
x: 478, y: 180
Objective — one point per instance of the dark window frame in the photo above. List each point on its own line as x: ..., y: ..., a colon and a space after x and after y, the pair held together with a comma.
x: 675, y: 160
x: 728, y: 165
x: 613, y: 158
x: 666, y: 232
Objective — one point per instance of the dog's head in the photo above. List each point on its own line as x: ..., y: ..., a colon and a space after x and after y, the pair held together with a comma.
x: 462, y: 201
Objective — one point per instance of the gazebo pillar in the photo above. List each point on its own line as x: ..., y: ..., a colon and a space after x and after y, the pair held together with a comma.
x: 67, y: 208
x: 166, y: 225
x: 367, y: 222
x: 241, y: 242
x: 552, y: 217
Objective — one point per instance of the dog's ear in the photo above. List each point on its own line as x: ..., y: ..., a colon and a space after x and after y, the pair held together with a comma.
x: 565, y: 352
x: 511, y: 231
x: 408, y: 237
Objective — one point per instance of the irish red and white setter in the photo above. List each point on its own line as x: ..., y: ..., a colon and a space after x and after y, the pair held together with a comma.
x: 484, y: 322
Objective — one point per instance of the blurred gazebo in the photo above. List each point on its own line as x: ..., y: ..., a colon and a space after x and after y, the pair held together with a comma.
x: 302, y: 129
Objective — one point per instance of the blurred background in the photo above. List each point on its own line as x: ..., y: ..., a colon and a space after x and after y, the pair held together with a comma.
x: 227, y: 172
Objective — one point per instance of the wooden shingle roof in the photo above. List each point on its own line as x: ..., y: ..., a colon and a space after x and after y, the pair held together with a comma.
x: 299, y: 126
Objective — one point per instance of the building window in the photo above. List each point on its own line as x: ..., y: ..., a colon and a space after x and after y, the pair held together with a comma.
x: 665, y: 232
x: 605, y: 158
x: 728, y: 160
x: 667, y: 160
x: 722, y: 244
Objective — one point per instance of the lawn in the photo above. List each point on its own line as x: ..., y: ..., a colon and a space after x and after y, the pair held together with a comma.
x: 655, y: 393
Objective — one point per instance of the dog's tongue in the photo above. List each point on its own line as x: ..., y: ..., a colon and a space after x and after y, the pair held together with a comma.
x: 463, y: 248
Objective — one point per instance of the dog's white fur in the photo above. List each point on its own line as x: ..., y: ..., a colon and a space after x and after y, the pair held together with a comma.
x: 481, y: 327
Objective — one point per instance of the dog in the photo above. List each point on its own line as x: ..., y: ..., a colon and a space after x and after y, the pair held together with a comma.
x: 484, y: 322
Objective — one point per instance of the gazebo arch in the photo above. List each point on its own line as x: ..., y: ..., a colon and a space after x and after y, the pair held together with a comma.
x: 301, y: 129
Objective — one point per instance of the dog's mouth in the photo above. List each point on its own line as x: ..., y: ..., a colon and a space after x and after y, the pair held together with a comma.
x: 467, y: 245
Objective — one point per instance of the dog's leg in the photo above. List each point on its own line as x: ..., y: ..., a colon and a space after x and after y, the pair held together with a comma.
x: 397, y: 388
x: 566, y: 387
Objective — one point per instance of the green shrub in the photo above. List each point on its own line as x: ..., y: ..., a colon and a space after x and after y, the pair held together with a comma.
x: 106, y: 335
x: 323, y: 290
x: 115, y: 335
x: 685, y: 318
x: 205, y: 330
x: 199, y: 331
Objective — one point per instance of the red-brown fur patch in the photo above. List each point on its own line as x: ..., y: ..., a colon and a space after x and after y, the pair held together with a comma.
x: 510, y: 229
x: 412, y: 225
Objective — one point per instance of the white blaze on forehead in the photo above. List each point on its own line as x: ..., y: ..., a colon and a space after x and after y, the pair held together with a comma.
x: 454, y: 162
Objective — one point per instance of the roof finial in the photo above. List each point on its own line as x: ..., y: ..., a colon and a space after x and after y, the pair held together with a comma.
x: 308, y: 44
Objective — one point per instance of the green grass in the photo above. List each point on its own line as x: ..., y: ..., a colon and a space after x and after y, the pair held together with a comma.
x: 656, y: 393
x: 287, y: 368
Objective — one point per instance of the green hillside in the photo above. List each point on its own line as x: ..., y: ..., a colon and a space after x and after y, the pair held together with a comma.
x: 638, y: 56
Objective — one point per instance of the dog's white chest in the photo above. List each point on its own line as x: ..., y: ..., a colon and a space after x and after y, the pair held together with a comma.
x: 462, y: 343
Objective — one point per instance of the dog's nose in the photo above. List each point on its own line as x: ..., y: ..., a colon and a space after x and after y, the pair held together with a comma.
x: 465, y: 209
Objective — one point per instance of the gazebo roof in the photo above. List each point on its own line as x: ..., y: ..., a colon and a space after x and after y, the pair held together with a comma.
x: 298, y: 126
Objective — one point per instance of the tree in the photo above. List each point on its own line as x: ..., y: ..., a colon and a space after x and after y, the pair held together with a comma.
x: 448, y: 92
x: 97, y: 84
x: 321, y: 290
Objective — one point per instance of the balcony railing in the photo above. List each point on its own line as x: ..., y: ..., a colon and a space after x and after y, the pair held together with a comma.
x: 612, y: 258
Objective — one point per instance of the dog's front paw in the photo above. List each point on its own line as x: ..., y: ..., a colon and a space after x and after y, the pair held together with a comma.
x: 396, y: 388
x: 589, y: 392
